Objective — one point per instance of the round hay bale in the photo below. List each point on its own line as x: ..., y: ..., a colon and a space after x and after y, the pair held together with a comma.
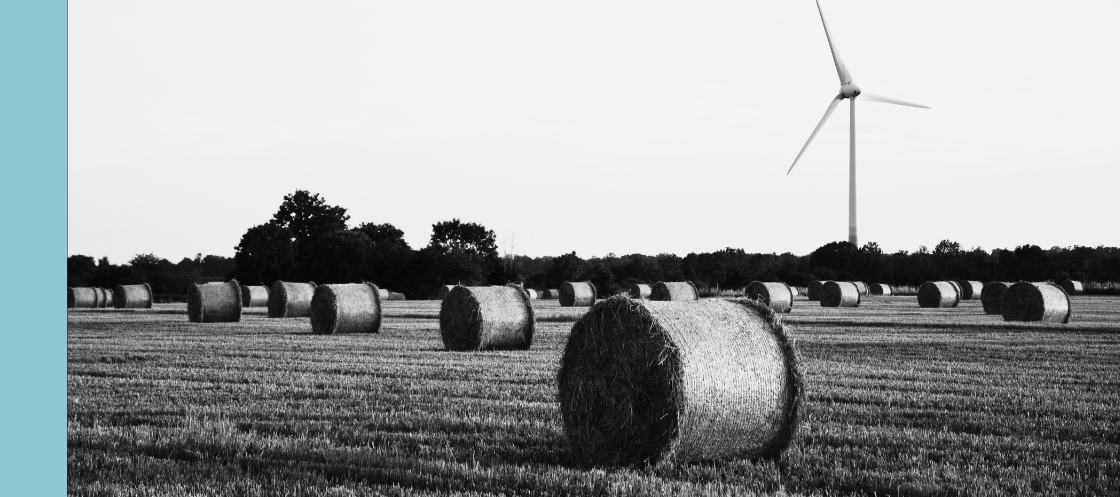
x: 956, y: 286
x: 640, y: 291
x: 992, y: 297
x: 1036, y: 302
x: 81, y: 298
x: 970, y: 290
x: 214, y: 303
x: 346, y: 308
x: 861, y: 286
x: 645, y: 382
x: 254, y: 296
x: 551, y: 293
x: 674, y: 290
x: 394, y: 296
x: 939, y: 294
x: 533, y: 295
x: 880, y: 289
x: 98, y: 298
x: 793, y: 290
x: 577, y: 294
x: 486, y: 318
x: 108, y: 297
x: 814, y: 290
x: 290, y: 300
x: 839, y: 294
x: 778, y: 296
x: 1073, y: 287
x: 132, y: 296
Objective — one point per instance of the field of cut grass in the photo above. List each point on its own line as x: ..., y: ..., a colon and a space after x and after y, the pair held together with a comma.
x: 900, y: 401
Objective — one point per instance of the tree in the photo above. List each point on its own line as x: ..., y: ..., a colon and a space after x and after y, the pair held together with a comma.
x: 337, y: 257
x: 454, y: 235
x: 264, y: 255
x: 564, y: 268
x: 79, y: 270
x: 384, y: 236
x: 603, y: 279
x: 306, y: 216
x: 947, y: 248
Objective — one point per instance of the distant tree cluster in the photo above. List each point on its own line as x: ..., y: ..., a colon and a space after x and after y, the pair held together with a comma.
x: 164, y: 277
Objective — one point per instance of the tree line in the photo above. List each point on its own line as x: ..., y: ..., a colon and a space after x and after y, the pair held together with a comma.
x: 310, y: 240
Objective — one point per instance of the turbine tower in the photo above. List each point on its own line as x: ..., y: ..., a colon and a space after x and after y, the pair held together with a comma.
x: 848, y: 90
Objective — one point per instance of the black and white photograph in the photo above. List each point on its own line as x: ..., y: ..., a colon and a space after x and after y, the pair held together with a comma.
x: 442, y: 248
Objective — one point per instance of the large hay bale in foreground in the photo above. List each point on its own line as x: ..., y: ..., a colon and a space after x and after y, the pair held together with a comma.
x: 551, y: 293
x: 970, y: 290
x: 486, y: 318
x: 132, y: 296
x: 840, y: 294
x: 346, y: 308
x: 214, y: 302
x: 290, y: 300
x: 254, y: 296
x: 640, y: 291
x: 81, y: 297
x: 1073, y: 287
x: 862, y: 287
x: 935, y: 294
x: 674, y: 290
x: 814, y: 290
x: 659, y: 382
x: 880, y: 289
x: 1026, y: 301
x: 578, y: 294
x: 992, y: 296
x: 777, y: 295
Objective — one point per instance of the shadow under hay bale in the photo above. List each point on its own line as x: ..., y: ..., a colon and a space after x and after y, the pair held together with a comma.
x: 346, y: 308
x: 578, y: 294
x: 645, y: 382
x: 132, y: 296
x: 970, y: 290
x: 840, y: 294
x: 813, y: 292
x: 640, y: 291
x: 862, y: 287
x: 935, y: 294
x: 1073, y: 287
x: 81, y: 298
x: 674, y: 291
x: 214, y: 302
x: 880, y: 289
x: 777, y: 295
x: 486, y: 318
x: 992, y: 296
x: 1026, y: 301
x: 443, y: 291
x: 254, y: 296
x: 290, y: 300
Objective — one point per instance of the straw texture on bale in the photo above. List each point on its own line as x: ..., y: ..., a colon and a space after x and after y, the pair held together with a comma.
x: 674, y: 290
x: 290, y: 300
x: 81, y: 297
x: 939, y: 294
x: 645, y: 382
x: 778, y: 296
x: 254, y: 296
x: 881, y: 289
x: 132, y: 296
x: 814, y: 290
x: 640, y: 291
x: 578, y: 294
x: 108, y: 297
x: 957, y: 286
x: 970, y: 290
x: 98, y: 298
x: 1036, y: 302
x: 486, y: 318
x: 861, y: 286
x: 551, y: 293
x: 840, y: 294
x: 346, y: 308
x: 214, y: 302
x: 992, y: 297
x: 1073, y: 287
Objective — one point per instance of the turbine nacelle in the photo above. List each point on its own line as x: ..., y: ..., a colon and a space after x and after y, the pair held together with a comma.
x: 849, y: 90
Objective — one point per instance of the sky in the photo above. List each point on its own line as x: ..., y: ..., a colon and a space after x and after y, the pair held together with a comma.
x: 594, y: 127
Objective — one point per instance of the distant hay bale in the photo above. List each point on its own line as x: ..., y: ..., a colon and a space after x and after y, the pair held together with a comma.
x: 108, y: 297
x: 640, y: 291
x: 1073, y: 287
x: 395, y: 296
x: 861, y: 286
x: 880, y: 289
x: 674, y: 290
x: 1036, y: 302
x: 346, y: 308
x: 935, y: 294
x: 486, y: 318
x: 992, y: 297
x: 957, y: 286
x: 551, y: 293
x: 645, y: 382
x: 970, y: 290
x: 814, y: 290
x: 577, y: 294
x: 81, y: 297
x: 290, y: 300
x: 840, y: 294
x: 778, y: 296
x: 793, y: 290
x: 533, y: 295
x: 444, y: 290
x: 214, y: 302
x: 254, y: 296
x: 101, y: 295
x: 132, y: 296
x: 383, y: 293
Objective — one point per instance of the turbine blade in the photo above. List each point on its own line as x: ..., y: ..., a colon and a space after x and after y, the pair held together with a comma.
x: 831, y: 107
x: 841, y: 69
x: 878, y: 98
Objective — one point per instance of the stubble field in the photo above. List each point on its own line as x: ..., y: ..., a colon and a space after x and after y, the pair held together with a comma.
x: 899, y: 401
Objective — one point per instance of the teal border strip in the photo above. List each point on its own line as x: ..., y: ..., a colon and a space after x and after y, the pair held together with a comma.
x: 33, y: 210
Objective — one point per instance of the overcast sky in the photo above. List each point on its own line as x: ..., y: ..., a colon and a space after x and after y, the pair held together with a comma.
x: 594, y: 126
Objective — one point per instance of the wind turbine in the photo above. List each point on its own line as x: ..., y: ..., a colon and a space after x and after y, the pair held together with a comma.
x: 850, y: 91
